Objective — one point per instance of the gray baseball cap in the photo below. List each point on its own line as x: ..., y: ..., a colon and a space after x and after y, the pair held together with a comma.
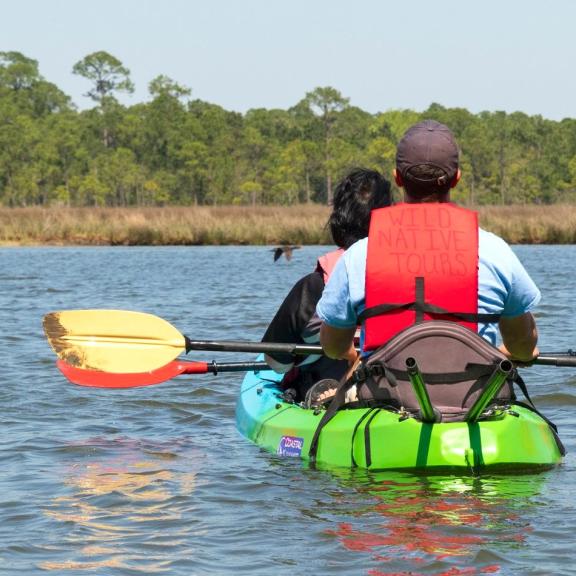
x: 427, y: 143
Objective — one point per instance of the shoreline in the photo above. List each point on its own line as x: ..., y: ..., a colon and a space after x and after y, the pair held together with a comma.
x: 242, y: 225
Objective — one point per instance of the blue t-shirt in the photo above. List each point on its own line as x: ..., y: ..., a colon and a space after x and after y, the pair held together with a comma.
x: 504, y: 286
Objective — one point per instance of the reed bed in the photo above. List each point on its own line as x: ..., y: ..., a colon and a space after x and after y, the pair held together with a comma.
x: 529, y: 224
x: 261, y: 225
x: 190, y: 226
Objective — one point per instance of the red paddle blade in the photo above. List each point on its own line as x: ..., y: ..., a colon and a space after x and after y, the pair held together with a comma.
x: 97, y: 379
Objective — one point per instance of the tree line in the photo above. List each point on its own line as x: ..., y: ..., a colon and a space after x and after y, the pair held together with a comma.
x: 177, y: 150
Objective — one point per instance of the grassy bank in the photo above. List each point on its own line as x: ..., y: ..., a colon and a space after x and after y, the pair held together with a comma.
x: 555, y: 224
x: 243, y: 225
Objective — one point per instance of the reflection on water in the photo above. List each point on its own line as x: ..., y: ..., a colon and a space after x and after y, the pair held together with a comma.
x: 437, y: 525
x: 122, y: 499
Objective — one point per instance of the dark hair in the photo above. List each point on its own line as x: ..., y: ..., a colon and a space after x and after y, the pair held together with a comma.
x: 426, y: 182
x: 355, y: 196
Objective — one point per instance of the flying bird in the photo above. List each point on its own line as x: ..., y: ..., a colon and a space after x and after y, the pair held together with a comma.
x: 286, y: 250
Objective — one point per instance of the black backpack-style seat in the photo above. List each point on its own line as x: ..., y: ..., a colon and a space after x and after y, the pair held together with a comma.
x: 455, y: 363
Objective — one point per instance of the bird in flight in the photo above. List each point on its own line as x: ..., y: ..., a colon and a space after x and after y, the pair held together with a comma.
x: 286, y: 250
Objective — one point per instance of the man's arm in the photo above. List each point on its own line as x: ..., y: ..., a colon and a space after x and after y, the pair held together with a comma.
x: 338, y: 342
x: 519, y: 337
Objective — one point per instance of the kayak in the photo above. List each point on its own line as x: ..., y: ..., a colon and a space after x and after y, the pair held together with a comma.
x: 480, y: 427
x: 514, y: 438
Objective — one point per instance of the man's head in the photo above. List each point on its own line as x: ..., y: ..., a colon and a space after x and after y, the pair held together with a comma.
x: 355, y: 196
x: 427, y: 162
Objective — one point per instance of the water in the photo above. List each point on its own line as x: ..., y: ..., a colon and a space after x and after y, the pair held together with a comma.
x: 157, y: 480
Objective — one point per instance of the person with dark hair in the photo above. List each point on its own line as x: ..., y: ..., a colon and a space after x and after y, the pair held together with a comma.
x: 295, y: 322
x: 427, y: 259
x: 355, y: 196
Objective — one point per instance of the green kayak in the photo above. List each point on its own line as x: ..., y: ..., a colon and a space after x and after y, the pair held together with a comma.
x: 514, y: 438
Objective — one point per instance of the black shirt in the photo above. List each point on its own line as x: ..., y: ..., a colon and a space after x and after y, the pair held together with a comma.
x: 290, y: 322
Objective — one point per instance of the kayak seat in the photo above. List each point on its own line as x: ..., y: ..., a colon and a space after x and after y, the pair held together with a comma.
x: 455, y: 363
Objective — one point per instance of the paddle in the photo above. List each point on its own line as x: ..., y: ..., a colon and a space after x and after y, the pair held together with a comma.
x: 98, y: 379
x: 122, y: 341
x: 133, y: 342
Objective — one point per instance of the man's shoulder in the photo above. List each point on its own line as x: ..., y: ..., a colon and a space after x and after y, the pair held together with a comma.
x: 492, y: 246
x: 497, y: 255
x: 487, y: 237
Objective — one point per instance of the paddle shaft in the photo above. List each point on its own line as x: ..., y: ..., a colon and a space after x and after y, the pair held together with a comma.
x: 562, y: 361
x: 254, y: 347
x: 215, y: 367
x: 545, y: 359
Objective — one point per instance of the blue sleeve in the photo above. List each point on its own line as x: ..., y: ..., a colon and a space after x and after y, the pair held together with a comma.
x: 335, y: 307
x: 524, y: 295
x: 504, y: 285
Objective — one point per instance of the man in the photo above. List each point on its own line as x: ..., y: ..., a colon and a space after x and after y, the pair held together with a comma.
x: 428, y: 259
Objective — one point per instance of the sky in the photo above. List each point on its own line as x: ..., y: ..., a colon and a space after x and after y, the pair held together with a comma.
x: 510, y: 55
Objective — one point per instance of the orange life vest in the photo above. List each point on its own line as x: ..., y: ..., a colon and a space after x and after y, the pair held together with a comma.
x: 422, y: 264
x: 326, y: 263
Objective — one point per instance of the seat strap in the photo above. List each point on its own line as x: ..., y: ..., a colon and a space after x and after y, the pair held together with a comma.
x: 367, y: 448
x: 337, y: 402
x: 554, y: 429
x: 472, y: 371
x: 360, y: 420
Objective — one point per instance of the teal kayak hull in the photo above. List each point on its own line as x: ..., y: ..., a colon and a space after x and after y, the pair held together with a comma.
x: 517, y: 439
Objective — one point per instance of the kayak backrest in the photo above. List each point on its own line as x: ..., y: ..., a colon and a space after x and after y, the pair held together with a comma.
x: 455, y: 364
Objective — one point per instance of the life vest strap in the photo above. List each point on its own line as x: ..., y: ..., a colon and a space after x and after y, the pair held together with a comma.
x: 437, y: 312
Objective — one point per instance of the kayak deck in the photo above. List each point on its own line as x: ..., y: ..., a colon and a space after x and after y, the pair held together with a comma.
x: 379, y: 439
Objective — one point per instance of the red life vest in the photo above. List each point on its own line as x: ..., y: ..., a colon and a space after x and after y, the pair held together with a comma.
x: 326, y: 263
x: 422, y: 264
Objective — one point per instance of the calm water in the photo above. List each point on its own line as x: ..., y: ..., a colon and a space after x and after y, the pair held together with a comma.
x: 158, y: 481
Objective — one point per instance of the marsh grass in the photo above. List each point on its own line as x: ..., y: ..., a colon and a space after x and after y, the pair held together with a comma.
x: 554, y: 224
x: 164, y: 226
x: 261, y: 225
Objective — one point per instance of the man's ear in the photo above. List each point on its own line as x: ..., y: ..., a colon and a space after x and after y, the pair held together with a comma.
x: 456, y: 178
x: 398, y: 178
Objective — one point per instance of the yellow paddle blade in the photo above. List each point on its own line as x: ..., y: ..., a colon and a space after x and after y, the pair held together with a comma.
x: 112, y: 340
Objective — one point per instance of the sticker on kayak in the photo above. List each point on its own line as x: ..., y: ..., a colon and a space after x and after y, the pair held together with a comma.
x: 290, y: 446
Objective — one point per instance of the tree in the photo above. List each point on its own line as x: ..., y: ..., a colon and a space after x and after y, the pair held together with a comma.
x: 296, y: 164
x: 161, y: 125
x: 326, y: 103
x: 163, y: 86
x: 64, y: 150
x: 107, y: 75
x: 120, y: 174
x: 19, y: 135
x: 17, y: 71
x: 221, y: 133
x: 20, y: 81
